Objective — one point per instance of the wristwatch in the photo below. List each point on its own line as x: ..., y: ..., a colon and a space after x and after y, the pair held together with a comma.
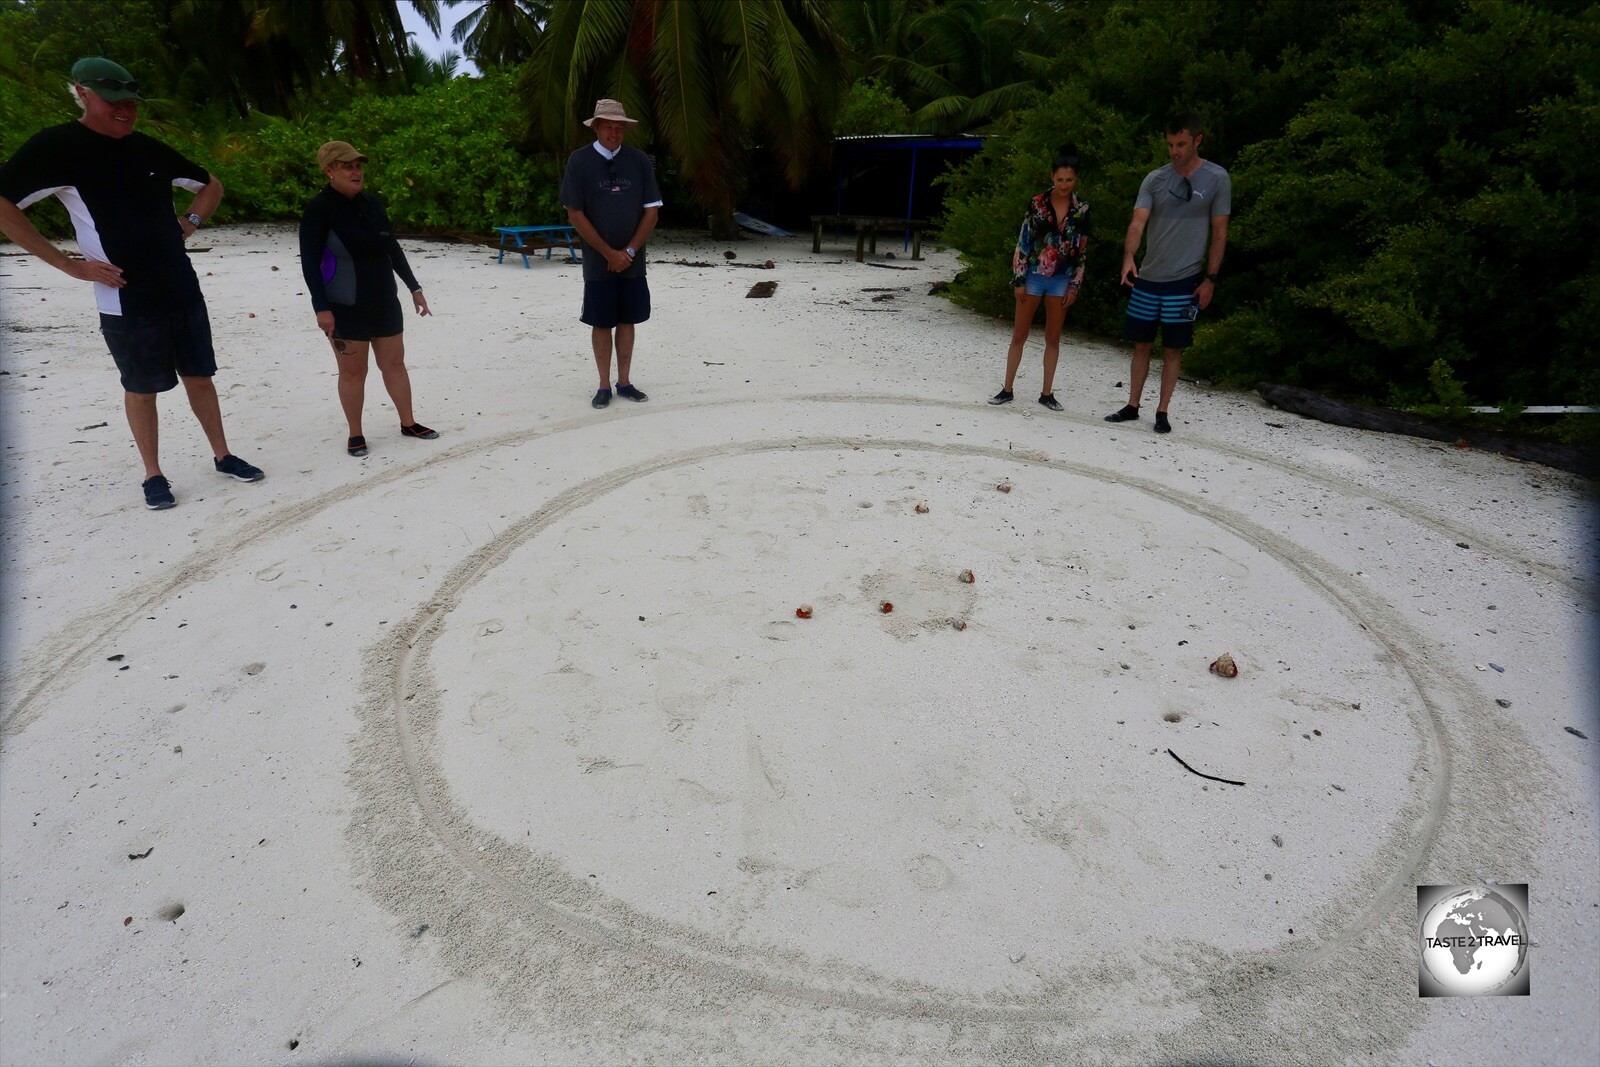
x: 630, y: 251
x: 1212, y: 278
x: 195, y: 220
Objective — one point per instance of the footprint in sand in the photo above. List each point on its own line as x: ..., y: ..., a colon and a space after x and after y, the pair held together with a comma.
x: 929, y: 872
x: 255, y: 668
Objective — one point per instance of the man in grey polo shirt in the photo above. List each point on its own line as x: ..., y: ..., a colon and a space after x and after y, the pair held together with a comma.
x: 1182, y: 209
x: 612, y: 201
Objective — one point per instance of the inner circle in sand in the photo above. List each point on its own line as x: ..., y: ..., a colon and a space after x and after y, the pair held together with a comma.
x: 658, y: 721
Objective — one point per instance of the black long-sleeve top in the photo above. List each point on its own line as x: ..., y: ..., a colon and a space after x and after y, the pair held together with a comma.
x: 354, y: 233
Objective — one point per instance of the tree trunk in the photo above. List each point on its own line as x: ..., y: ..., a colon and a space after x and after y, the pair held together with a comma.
x: 1574, y: 458
x: 722, y: 226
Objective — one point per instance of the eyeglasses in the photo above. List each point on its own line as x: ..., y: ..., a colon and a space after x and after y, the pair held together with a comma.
x: 1187, y: 191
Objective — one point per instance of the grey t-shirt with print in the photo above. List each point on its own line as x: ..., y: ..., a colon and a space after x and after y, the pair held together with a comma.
x: 1179, y: 229
x: 612, y: 193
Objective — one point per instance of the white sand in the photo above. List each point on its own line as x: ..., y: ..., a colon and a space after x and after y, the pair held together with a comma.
x: 509, y: 746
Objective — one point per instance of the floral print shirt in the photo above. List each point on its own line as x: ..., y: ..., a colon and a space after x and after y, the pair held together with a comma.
x: 1046, y: 246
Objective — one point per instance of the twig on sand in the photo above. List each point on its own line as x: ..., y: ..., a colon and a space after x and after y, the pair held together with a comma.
x: 1203, y: 774
x: 891, y: 266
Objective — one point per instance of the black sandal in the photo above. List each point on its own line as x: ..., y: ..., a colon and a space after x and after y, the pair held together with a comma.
x: 416, y: 429
x: 356, y: 446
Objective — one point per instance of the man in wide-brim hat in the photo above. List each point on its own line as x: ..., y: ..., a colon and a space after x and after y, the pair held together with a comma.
x: 612, y: 201
x: 117, y: 186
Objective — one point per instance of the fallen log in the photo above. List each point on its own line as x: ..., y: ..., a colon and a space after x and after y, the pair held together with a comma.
x: 1574, y: 458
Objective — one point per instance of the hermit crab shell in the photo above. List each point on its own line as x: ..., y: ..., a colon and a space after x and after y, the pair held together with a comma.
x: 968, y: 577
x: 803, y: 611
x: 1224, y: 666
x: 886, y: 607
x: 922, y: 509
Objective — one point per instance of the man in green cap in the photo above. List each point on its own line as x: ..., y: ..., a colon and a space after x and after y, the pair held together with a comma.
x: 117, y: 187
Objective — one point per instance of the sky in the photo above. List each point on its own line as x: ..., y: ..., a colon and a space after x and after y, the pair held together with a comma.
x: 437, y: 46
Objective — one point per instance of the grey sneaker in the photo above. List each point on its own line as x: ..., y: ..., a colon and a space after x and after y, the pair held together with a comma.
x: 234, y: 467
x: 158, y: 494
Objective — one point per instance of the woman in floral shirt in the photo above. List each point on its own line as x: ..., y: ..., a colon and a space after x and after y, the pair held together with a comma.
x: 1048, y: 265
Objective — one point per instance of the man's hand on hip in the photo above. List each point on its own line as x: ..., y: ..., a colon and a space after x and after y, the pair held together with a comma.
x: 93, y: 270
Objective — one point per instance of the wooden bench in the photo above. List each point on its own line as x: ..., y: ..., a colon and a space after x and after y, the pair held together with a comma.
x: 867, y: 228
x: 551, y: 237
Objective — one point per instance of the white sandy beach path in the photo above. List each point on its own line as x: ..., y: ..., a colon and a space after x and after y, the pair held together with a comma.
x: 509, y: 746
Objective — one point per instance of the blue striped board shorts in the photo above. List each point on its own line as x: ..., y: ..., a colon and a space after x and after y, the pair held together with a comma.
x: 1170, y: 305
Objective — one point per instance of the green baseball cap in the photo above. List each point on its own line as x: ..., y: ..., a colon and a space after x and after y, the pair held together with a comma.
x: 109, y: 81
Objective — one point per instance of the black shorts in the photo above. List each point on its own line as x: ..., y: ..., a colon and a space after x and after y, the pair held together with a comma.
x: 363, y: 322
x: 152, y: 350
x: 612, y: 301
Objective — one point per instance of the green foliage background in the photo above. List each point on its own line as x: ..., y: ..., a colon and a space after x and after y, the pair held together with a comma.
x: 444, y: 156
x: 442, y: 160
x: 1415, y: 217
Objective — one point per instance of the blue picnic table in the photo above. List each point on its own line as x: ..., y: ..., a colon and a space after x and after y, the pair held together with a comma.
x: 517, y: 236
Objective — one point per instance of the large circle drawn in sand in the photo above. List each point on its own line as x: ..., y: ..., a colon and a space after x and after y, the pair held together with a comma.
x: 718, y: 784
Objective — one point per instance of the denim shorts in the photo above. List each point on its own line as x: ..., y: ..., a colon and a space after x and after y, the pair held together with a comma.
x: 152, y: 350
x: 1036, y: 284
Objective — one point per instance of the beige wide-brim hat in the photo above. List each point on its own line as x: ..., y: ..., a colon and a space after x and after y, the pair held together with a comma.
x: 610, y: 110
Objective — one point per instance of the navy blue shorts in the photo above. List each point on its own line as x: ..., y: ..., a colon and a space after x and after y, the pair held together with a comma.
x: 610, y: 302
x: 1170, y: 305
x: 152, y: 350
x: 363, y: 322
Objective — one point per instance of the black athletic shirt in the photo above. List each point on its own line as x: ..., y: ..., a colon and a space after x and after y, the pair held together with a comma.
x: 118, y: 191
x: 365, y: 253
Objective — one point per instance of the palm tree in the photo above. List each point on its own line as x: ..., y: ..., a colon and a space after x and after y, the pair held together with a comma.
x: 423, y: 70
x: 501, y: 32
x: 976, y: 60
x: 960, y: 64
x: 264, y: 53
x: 367, y: 36
x: 705, y: 76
